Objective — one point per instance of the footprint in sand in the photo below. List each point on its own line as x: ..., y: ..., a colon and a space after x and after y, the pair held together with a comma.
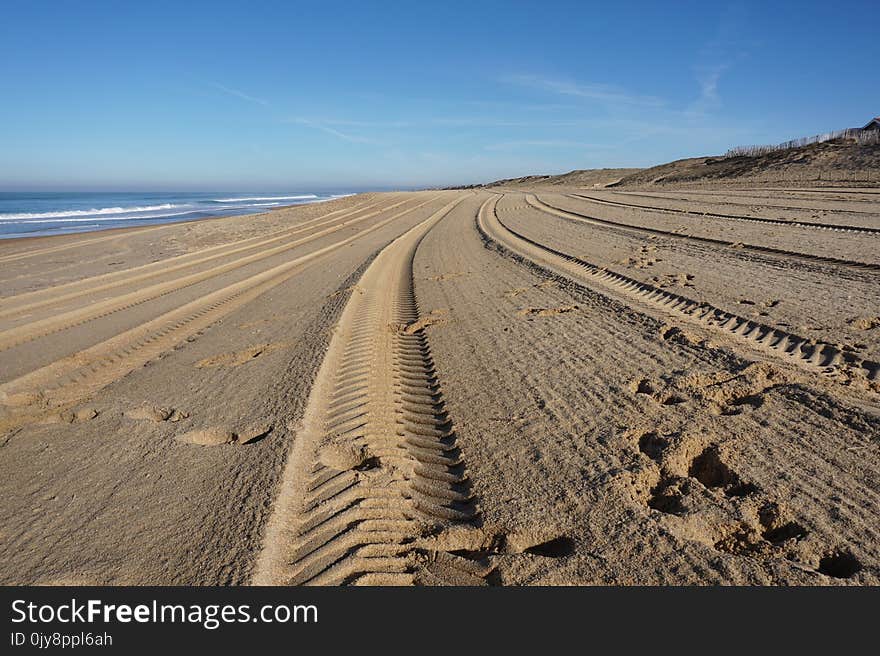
x: 544, y: 540
x: 148, y: 412
x: 513, y: 293
x: 239, y: 357
x: 219, y: 435
x: 253, y: 433
x: 71, y: 416
x: 700, y: 496
x: 640, y: 262
x: 720, y: 393
x: 659, y: 391
x: 546, y: 312
x: 433, y: 318
x: 447, y: 276
x: 673, y: 280
x: 865, y: 323
x: 208, y: 436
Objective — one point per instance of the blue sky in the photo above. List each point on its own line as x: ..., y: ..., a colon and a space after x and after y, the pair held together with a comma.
x: 282, y: 95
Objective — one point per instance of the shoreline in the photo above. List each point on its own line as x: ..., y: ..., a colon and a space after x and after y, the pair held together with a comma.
x: 160, y: 221
x: 125, y: 230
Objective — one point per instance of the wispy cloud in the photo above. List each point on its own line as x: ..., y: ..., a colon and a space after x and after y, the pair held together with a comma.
x: 602, y: 93
x: 240, y: 94
x: 323, y: 127
x: 718, y: 55
x: 709, y: 99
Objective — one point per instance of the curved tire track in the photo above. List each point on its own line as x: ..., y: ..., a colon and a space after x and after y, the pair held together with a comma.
x: 816, y: 356
x: 723, y: 198
x: 542, y: 206
x: 752, y: 219
x: 29, y: 301
x: 867, y: 191
x: 356, y: 521
x: 99, y: 309
x: 70, y: 379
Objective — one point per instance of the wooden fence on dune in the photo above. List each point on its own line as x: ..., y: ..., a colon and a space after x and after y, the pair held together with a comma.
x: 859, y: 136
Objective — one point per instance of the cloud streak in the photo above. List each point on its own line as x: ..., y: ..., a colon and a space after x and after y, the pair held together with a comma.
x: 717, y: 56
x: 597, y: 92
x: 322, y: 127
x: 240, y: 94
x: 709, y: 99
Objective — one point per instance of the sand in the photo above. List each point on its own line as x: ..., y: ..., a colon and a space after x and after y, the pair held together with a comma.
x: 829, y: 165
x: 524, y: 384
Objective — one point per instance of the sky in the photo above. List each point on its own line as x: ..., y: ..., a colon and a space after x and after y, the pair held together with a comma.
x: 357, y: 95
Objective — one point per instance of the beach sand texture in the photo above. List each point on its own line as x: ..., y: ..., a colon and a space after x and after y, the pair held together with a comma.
x: 509, y: 385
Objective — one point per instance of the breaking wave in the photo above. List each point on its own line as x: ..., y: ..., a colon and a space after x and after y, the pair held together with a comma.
x: 92, y: 212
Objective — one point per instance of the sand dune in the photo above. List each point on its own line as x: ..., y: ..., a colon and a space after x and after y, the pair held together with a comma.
x: 525, y: 384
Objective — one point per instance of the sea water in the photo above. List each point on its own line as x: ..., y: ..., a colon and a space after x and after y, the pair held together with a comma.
x: 26, y: 214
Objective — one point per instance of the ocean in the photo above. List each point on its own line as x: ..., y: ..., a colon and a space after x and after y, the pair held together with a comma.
x: 27, y: 214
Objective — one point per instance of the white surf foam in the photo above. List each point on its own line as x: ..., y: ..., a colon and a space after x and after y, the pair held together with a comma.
x: 92, y: 212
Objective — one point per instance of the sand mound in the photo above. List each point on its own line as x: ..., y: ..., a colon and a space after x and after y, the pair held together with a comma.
x: 835, y: 161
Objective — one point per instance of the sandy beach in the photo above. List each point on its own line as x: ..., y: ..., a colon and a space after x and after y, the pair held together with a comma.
x: 520, y: 384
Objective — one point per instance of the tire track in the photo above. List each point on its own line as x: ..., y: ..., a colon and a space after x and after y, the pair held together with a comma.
x: 752, y: 219
x: 761, y: 201
x: 126, y: 232
x: 50, y: 296
x: 99, y: 309
x: 13, y: 257
x: 864, y: 191
x: 375, y: 466
x: 816, y: 356
x: 781, y: 194
x: 62, y: 383
x: 32, y: 300
x: 538, y: 204
x: 752, y: 193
